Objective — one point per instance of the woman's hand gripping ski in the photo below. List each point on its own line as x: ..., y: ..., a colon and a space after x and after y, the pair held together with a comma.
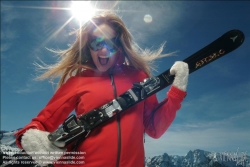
x: 37, y: 145
x: 181, y: 71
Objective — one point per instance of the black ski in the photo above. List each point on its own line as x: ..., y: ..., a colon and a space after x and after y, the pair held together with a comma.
x: 74, y: 128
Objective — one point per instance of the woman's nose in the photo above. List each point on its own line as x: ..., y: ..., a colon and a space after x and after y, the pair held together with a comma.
x: 104, y: 50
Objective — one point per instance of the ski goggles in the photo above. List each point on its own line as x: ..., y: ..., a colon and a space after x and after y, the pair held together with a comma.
x: 98, y: 43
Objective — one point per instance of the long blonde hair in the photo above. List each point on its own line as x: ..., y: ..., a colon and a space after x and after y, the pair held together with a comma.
x: 77, y: 56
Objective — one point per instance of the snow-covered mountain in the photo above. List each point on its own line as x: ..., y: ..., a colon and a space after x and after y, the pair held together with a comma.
x: 8, y: 142
x: 194, y: 158
x: 200, y: 158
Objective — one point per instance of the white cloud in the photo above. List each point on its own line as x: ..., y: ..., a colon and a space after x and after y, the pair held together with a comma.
x: 216, y: 121
x: 31, y: 86
x: 8, y: 13
x: 5, y: 46
x: 8, y: 32
x: 36, y: 27
x: 221, y: 103
x: 216, y: 136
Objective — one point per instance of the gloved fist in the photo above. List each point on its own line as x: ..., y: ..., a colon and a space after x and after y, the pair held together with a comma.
x: 37, y: 145
x: 181, y: 71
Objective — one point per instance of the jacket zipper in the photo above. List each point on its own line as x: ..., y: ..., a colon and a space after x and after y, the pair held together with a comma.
x: 118, y: 123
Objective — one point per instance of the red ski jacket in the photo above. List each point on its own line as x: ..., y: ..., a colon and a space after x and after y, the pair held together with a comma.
x: 120, y: 141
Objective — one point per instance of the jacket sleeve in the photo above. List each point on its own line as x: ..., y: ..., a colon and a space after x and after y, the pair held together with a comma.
x: 158, y: 117
x: 55, y: 112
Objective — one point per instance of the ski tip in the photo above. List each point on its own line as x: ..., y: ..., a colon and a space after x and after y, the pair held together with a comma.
x: 235, y: 35
x: 225, y: 44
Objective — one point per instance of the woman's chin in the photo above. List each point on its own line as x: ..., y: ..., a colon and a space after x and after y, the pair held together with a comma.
x: 103, y: 68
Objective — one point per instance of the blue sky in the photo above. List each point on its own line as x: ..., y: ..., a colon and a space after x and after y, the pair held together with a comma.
x: 216, y: 112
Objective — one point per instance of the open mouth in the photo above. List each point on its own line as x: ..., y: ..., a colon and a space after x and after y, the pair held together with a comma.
x: 103, y: 60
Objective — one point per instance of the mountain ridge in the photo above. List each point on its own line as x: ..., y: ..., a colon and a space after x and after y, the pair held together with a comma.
x: 200, y: 158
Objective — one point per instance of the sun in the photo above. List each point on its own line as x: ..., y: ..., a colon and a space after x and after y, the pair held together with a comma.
x: 82, y: 10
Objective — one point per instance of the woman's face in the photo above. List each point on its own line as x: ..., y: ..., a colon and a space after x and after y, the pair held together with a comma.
x: 103, y: 54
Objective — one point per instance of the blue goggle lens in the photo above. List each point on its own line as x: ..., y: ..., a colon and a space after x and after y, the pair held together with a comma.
x: 98, y: 43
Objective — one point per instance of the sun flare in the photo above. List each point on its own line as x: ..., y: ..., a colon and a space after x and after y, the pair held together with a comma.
x: 82, y: 10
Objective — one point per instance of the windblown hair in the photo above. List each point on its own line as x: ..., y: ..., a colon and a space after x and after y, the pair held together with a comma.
x: 77, y: 57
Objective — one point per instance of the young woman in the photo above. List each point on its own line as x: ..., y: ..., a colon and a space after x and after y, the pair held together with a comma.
x: 102, y: 64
